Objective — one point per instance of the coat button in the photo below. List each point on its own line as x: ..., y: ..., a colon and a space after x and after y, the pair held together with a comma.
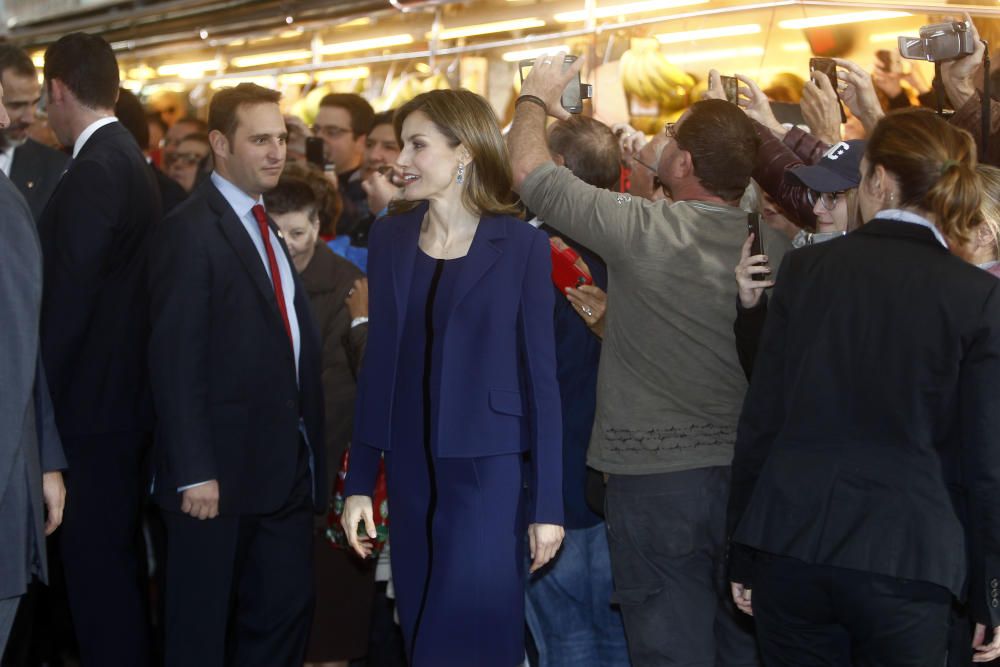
x: 995, y: 603
x: 290, y: 403
x: 995, y: 584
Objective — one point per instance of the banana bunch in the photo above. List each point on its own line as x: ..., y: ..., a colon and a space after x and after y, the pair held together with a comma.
x: 646, y: 74
x: 436, y: 81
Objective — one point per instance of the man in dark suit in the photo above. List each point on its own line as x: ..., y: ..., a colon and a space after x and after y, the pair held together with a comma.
x: 129, y: 111
x: 94, y: 234
x: 31, y: 456
x: 235, y: 361
x: 33, y: 167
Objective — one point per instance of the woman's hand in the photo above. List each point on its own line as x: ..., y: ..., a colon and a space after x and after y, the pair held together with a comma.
x: 590, y: 302
x: 821, y: 108
x: 858, y: 93
x: 380, y: 191
x: 544, y: 539
x: 630, y: 140
x: 357, y: 299
x: 356, y: 510
x: 750, y: 290
x: 753, y: 100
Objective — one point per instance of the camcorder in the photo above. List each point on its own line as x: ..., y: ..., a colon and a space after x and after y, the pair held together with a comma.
x: 575, y: 92
x: 939, y: 42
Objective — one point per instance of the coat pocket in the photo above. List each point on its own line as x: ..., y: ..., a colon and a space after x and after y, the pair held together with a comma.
x: 506, y: 402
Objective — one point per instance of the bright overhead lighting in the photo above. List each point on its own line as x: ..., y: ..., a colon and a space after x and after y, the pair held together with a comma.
x: 263, y: 81
x: 192, y: 70
x: 269, y: 58
x: 141, y: 73
x: 356, y: 23
x: 38, y: 59
x: 491, y: 28
x: 296, y: 79
x: 517, y: 56
x: 623, y: 10
x: 366, y: 44
x: 880, y: 37
x: 708, y: 33
x: 839, y: 19
x: 718, y: 54
x: 796, y: 47
x: 345, y: 74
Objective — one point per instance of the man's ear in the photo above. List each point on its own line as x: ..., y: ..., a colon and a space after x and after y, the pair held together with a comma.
x: 219, y: 142
x: 683, y: 165
x: 559, y: 160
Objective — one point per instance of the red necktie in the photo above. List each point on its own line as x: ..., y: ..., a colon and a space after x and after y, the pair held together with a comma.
x: 272, y: 261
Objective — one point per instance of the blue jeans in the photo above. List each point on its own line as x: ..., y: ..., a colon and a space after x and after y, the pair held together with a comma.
x: 568, y: 605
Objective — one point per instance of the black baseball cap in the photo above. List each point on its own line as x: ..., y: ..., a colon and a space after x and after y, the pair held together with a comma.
x: 839, y: 169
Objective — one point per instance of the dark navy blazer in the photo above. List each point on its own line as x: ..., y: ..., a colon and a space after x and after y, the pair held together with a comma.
x: 499, y: 393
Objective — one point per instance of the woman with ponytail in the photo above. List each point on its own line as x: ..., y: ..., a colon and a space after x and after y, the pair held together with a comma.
x: 866, y: 475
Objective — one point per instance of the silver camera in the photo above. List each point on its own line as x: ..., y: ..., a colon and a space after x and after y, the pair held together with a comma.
x: 939, y: 42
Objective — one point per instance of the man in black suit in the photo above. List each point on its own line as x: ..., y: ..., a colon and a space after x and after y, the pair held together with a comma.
x: 130, y: 113
x: 235, y: 361
x: 94, y: 235
x: 33, y: 167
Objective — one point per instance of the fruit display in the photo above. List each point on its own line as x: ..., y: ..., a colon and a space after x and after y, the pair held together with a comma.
x: 656, y: 89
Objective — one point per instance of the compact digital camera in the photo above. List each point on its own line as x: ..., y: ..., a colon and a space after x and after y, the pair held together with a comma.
x: 939, y: 42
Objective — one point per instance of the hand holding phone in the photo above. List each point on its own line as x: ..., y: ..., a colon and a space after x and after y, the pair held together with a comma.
x: 573, y: 94
x: 566, y: 269
x: 731, y: 87
x: 828, y: 67
x: 757, y: 245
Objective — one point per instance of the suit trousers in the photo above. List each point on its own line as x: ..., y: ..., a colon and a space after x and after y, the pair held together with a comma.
x: 101, y: 546
x: 667, y: 538
x: 820, y: 616
x: 240, y: 587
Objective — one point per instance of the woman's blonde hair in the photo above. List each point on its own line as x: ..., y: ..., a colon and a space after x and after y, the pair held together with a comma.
x: 934, y: 163
x: 467, y: 119
x: 989, y: 209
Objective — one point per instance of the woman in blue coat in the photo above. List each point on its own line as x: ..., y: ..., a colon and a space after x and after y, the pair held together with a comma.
x: 458, y: 390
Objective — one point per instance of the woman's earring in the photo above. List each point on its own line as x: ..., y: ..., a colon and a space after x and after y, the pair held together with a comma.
x: 461, y: 174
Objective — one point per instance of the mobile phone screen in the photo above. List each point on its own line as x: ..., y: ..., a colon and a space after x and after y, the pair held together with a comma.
x: 757, y: 245
x: 731, y: 86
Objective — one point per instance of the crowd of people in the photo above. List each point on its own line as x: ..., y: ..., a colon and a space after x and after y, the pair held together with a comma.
x: 261, y: 407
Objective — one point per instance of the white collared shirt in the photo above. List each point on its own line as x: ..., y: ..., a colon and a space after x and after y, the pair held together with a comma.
x: 88, y: 132
x: 900, y: 215
x: 7, y: 159
x: 242, y: 205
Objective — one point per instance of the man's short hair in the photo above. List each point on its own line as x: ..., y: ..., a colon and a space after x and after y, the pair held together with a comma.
x: 13, y: 58
x: 385, y: 117
x: 129, y: 111
x: 87, y: 66
x: 192, y: 120
x: 589, y: 150
x: 361, y: 113
x: 723, y: 145
x: 293, y: 193
x: 224, y: 105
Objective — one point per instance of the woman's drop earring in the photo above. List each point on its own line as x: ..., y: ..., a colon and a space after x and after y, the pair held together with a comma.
x: 460, y: 178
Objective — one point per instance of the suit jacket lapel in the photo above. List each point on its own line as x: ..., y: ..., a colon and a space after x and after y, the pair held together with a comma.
x: 236, y: 235
x: 405, y: 240
x: 483, y: 254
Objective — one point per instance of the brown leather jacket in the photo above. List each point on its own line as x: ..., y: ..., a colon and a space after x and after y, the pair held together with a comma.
x: 774, y: 158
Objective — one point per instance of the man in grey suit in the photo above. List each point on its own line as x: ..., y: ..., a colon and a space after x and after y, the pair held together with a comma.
x: 31, y: 455
x: 33, y: 167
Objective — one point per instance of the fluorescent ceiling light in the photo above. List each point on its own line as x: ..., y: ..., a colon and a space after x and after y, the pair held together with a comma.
x: 366, y: 44
x: 491, y: 28
x: 356, y: 23
x: 296, y: 79
x: 623, y: 10
x: 517, y: 56
x: 796, y: 47
x: 708, y: 33
x: 141, y: 73
x: 880, y: 37
x: 345, y: 74
x: 839, y: 19
x: 718, y: 54
x: 258, y: 59
x: 264, y: 81
x: 192, y: 70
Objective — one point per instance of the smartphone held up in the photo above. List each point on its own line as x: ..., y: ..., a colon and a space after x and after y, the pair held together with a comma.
x: 575, y: 92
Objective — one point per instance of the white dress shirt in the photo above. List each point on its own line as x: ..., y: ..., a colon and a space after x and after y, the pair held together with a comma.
x: 88, y: 132
x: 7, y: 159
x: 900, y: 215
